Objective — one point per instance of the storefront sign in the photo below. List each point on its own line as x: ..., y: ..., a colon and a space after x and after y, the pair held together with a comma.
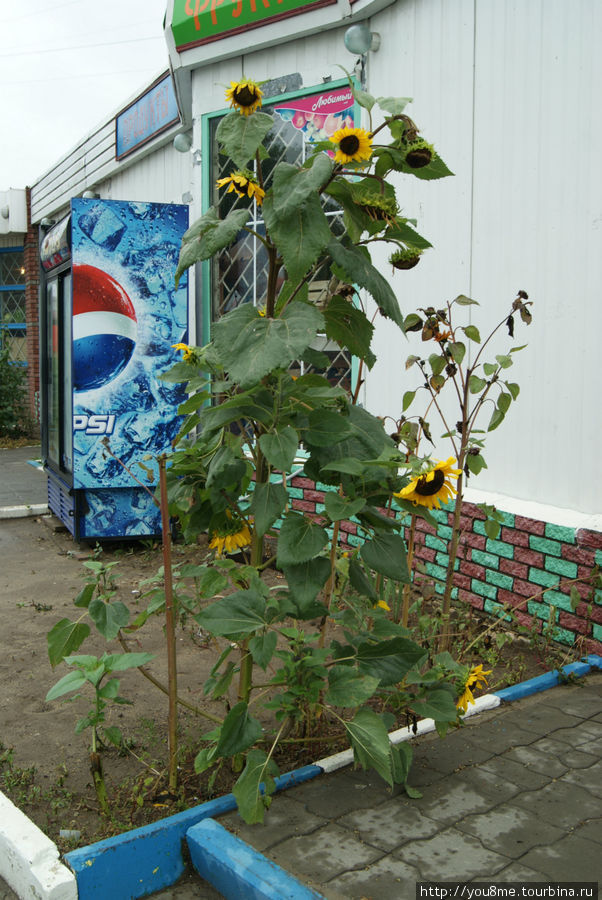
x: 147, y: 117
x: 198, y: 22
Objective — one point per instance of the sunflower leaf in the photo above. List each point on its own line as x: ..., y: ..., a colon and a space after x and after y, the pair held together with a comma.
x: 299, y: 237
x: 240, y: 136
x: 350, y: 327
x: 358, y: 269
x: 267, y: 503
x: 208, y: 235
x: 251, y: 346
x: 292, y: 187
x: 393, y: 105
x: 300, y: 540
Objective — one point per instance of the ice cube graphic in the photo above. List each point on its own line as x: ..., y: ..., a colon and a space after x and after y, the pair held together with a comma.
x: 102, y: 226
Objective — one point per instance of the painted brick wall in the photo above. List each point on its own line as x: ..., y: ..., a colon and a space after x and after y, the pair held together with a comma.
x: 530, y: 567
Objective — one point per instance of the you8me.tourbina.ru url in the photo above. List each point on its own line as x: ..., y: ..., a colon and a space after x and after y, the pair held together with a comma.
x: 521, y: 890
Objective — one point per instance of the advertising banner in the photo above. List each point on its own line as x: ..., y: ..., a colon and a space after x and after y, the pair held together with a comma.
x: 127, y: 314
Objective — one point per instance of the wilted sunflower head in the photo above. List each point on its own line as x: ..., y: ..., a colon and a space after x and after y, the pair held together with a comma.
x: 475, y: 678
x: 378, y: 207
x: 433, y: 487
x: 245, y: 96
x: 187, y: 352
x: 419, y: 153
x: 405, y: 259
x: 243, y: 183
x: 230, y: 537
x: 353, y: 145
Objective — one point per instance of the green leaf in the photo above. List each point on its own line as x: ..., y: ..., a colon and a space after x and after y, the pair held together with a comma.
x: 363, y: 98
x: 239, y: 731
x: 262, y: 648
x: 504, y: 361
x: 120, y: 662
x: 475, y: 463
x: 472, y: 333
x: 503, y: 402
x: 204, y: 760
x: 338, y: 508
x: 390, y: 660
x: 462, y: 300
x: 113, y: 734
x: 401, y: 231
x: 292, y: 187
x: 300, y: 237
x: 300, y: 540
x: 496, y: 419
x: 267, y: 504
x: 306, y: 580
x: 72, y: 681
x: 361, y: 582
x: 326, y: 427
x: 401, y: 758
x: 438, y: 705
x: 370, y: 742
x: 347, y: 688
x: 513, y: 388
x: 393, y: 105
x: 408, y: 397
x: 64, y: 638
x: 476, y: 384
x: 350, y: 327
x: 357, y: 269
x: 492, y: 529
x: 386, y: 553
x: 251, y: 346
x: 437, y: 363
x: 575, y: 598
x: 238, y: 614
x: 253, y: 785
x: 84, y: 596
x: 348, y: 466
x: 208, y: 235
x: 489, y: 368
x: 109, y: 618
x: 457, y: 351
x: 240, y: 136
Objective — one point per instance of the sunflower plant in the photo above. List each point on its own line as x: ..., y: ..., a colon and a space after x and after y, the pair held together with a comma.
x: 302, y: 650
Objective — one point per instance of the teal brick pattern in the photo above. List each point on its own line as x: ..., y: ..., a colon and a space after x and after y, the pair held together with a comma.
x: 529, y: 568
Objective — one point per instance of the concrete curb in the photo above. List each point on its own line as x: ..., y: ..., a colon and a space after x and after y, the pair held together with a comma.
x: 151, y: 858
x: 21, y: 512
x: 29, y: 861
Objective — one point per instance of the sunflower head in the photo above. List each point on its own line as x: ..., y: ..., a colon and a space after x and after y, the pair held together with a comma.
x: 405, y: 259
x: 419, y: 154
x: 245, y: 96
x: 378, y: 207
x: 230, y: 537
x: 353, y: 145
x: 243, y: 183
x: 474, y: 679
x: 432, y: 487
x: 187, y: 352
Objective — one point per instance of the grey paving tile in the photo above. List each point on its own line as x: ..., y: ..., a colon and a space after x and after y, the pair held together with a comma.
x: 589, y: 779
x: 285, y: 818
x: 323, y: 854
x: 390, y: 824
x: 575, y: 699
x: 510, y: 830
x: 532, y: 714
x: 587, y: 731
x: 591, y: 746
x: 456, y: 752
x: 500, y: 735
x: 514, y: 773
x: 537, y: 760
x: 560, y: 803
x: 450, y: 800
x: 517, y: 872
x: 451, y: 855
x: 591, y: 831
x: 334, y: 795
x: 387, y: 879
x: 569, y: 755
x: 569, y: 859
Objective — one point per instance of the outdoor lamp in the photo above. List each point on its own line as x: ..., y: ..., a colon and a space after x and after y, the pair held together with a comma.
x: 182, y: 142
x: 359, y: 39
x: 90, y: 195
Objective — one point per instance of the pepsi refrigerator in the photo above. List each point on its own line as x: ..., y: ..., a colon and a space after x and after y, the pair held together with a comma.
x: 109, y: 315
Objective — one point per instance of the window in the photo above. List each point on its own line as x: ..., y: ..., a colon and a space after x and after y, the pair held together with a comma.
x: 12, y: 304
x: 239, y: 273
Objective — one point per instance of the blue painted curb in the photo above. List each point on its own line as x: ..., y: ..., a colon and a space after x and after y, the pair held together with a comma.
x: 150, y: 858
x: 147, y: 859
x: 548, y: 680
x: 237, y: 870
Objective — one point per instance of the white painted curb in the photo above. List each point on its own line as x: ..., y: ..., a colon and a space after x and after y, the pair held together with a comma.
x: 345, y: 757
x: 20, y: 512
x: 29, y: 861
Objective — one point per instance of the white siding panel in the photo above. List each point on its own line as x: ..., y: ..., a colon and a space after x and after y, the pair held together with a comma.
x: 161, y: 177
x: 537, y: 216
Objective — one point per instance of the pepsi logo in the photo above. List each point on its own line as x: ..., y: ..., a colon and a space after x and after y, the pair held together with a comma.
x: 104, y: 328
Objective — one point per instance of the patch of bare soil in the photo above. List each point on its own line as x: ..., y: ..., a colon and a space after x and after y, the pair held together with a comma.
x: 44, y: 765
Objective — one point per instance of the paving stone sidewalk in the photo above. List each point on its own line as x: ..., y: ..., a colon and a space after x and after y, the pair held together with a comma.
x: 515, y: 795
